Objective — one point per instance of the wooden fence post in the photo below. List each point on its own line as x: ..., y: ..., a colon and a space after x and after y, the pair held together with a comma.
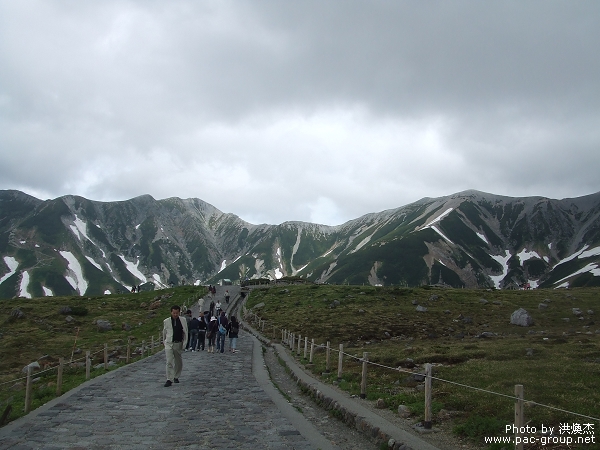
x: 152, y: 348
x: 363, y: 383
x: 88, y: 365
x: 128, y: 349
x: 105, y: 356
x: 519, y: 417
x: 340, y: 360
x: 282, y: 335
x: 292, y: 341
x: 312, y: 351
x: 262, y: 328
x: 327, y: 358
x: 305, y: 346
x: 59, y: 376
x: 299, y: 342
x: 28, y: 390
x: 143, y: 348
x: 427, y: 421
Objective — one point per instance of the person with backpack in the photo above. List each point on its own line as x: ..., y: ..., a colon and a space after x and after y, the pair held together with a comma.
x: 211, y: 309
x: 223, y: 322
x: 213, y: 329
x: 194, y: 328
x: 233, y: 328
x: 218, y: 308
x: 227, y: 297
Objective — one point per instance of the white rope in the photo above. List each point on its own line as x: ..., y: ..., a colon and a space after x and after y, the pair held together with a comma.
x: 512, y: 397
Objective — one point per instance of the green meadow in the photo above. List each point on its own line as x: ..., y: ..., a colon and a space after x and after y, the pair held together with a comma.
x: 557, y: 359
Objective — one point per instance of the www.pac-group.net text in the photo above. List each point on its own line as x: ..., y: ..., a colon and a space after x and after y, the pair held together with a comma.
x: 565, y: 433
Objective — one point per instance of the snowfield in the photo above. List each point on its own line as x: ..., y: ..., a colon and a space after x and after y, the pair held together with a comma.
x: 78, y: 282
x: 12, y: 265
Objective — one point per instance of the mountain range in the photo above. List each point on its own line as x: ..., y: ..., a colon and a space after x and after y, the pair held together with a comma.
x: 74, y: 246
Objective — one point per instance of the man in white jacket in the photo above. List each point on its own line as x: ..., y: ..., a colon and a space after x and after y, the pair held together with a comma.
x: 175, y: 334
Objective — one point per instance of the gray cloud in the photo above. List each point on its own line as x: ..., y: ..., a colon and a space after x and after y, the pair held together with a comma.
x: 317, y: 111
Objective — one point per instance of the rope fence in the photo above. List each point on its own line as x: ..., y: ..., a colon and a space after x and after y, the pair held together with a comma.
x: 294, y: 343
x: 143, y: 351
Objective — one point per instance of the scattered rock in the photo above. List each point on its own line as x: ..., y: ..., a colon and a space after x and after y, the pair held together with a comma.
x: 387, y: 334
x: 547, y: 300
x: 260, y: 305
x: 404, y: 411
x: 414, y: 302
x: 125, y: 326
x: 433, y: 298
x: 487, y: 334
x: 497, y: 302
x: 17, y: 314
x: 143, y: 305
x: 17, y: 386
x: 577, y: 312
x: 483, y: 301
x: 34, y: 366
x: 543, y: 306
x: 103, y: 325
x: 418, y: 377
x: 155, y: 305
x: 69, y: 319
x: 447, y: 311
x: 444, y: 414
x: 590, y: 312
x: 529, y: 351
x: 521, y: 318
x: 361, y: 311
x: 65, y: 310
x: 467, y: 320
x: 380, y: 404
x: 566, y: 319
x: 421, y: 308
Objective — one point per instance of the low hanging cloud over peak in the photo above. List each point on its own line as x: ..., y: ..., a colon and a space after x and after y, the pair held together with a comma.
x: 314, y: 111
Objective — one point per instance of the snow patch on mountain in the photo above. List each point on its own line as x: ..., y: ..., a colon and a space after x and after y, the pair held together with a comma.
x: 573, y: 256
x: 482, y: 237
x: 525, y: 255
x: 91, y: 260
x: 24, y: 285
x: 79, y: 228
x: 440, y: 233
x: 47, y: 291
x: 591, y: 267
x: 75, y: 277
x: 592, y: 252
x: 12, y: 265
x: 223, y: 265
x: 133, y: 269
x: 503, y: 260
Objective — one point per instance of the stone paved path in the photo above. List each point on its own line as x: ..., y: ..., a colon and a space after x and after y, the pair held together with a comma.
x: 218, y: 404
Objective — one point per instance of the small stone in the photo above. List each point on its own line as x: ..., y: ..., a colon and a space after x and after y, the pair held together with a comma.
x: 543, y: 306
x: 380, y: 404
x: 577, y: 312
x: 69, y: 319
x: 421, y: 308
x: 404, y: 411
x: 590, y: 312
x: 483, y: 301
x: 103, y: 325
x: 529, y: 351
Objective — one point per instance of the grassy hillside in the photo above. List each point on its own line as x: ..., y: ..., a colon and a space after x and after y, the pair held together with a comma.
x: 44, y: 334
x: 557, y: 359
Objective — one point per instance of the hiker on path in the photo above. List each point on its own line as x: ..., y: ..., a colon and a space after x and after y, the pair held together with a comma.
x: 218, y: 308
x: 212, y: 308
x: 202, y: 326
x: 213, y: 329
x: 227, y: 297
x: 194, y: 329
x: 188, y: 319
x: 174, y: 335
x: 233, y: 329
x: 223, y: 322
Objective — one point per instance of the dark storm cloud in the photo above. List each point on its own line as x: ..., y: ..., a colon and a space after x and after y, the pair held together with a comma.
x: 345, y: 107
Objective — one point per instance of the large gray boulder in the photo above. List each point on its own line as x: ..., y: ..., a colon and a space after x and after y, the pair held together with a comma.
x: 521, y: 318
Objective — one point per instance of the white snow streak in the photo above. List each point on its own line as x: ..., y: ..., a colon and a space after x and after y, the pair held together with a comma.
x: 90, y: 259
x: 593, y: 252
x: 133, y: 269
x: 107, y: 292
x: 440, y: 233
x: 47, y: 291
x: 79, y: 283
x: 591, y: 267
x: 12, y: 264
x: 503, y: 260
x: 223, y: 265
x: 278, y: 273
x: 482, y: 237
x: 573, y: 256
x: 24, y: 284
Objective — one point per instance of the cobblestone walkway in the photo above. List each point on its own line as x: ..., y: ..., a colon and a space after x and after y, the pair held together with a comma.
x: 218, y: 404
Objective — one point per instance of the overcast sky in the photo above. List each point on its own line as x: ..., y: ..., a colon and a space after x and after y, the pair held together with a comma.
x: 317, y: 111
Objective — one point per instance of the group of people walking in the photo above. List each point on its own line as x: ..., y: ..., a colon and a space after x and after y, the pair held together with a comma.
x: 206, y: 331
x: 214, y: 329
